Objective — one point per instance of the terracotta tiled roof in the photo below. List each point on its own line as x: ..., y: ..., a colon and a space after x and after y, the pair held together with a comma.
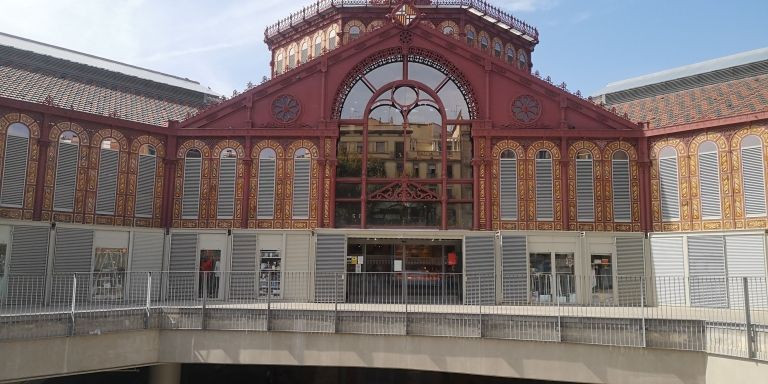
x: 731, y: 98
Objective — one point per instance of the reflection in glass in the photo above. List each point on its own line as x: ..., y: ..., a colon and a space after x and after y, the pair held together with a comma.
x: 399, y: 214
x: 347, y: 214
x: 109, y: 265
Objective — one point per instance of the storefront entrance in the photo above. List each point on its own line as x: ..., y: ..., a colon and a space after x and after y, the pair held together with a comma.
x: 390, y: 271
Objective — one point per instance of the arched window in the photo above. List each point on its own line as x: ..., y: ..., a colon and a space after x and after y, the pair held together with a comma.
x: 190, y: 200
x: 544, y: 189
x: 620, y: 183
x: 508, y: 185
x: 668, y: 180
x: 145, y: 181
x: 304, y: 52
x: 106, y: 190
x: 483, y: 42
x: 292, y: 57
x: 497, y: 48
x: 15, y: 166
x: 448, y: 30
x: 585, y: 187
x: 225, y: 205
x: 470, y: 36
x: 265, y: 208
x: 511, y: 55
x: 318, y: 45
x: 66, y: 172
x: 522, y: 59
x: 301, y: 183
x: 753, y: 174
x: 354, y: 32
x: 332, y: 38
x: 279, y: 63
x: 709, y: 181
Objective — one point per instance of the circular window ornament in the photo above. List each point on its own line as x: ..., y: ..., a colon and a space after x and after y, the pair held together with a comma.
x: 526, y: 109
x: 285, y: 109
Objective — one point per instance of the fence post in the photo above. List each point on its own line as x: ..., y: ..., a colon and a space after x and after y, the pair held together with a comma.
x: 149, y: 300
x: 480, y: 307
x: 269, y: 298
x: 642, y: 308
x: 555, y: 292
x: 73, y: 302
x: 405, y: 297
x: 748, y: 320
x: 335, y: 302
x: 203, y: 325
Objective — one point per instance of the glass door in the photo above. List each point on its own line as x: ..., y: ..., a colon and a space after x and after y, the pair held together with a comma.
x: 601, y: 279
x: 540, y: 268
x: 210, y: 265
x: 565, y: 277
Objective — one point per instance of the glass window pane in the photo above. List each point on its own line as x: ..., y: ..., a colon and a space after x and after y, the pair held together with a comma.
x: 411, y: 214
x: 347, y: 214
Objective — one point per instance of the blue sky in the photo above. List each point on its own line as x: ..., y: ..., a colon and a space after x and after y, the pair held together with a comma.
x: 586, y: 43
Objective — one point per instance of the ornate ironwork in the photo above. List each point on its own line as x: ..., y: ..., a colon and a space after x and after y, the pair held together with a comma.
x: 285, y: 108
x: 403, y: 190
x: 526, y: 109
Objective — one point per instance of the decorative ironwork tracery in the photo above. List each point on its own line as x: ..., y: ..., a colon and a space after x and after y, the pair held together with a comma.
x: 403, y: 191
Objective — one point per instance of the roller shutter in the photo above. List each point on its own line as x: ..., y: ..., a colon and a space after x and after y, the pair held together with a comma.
x: 28, y: 264
x: 480, y: 270
x: 182, y: 267
x: 266, y: 198
x: 107, y: 182
x: 544, y: 189
x: 73, y: 255
x: 709, y: 184
x: 147, y: 256
x: 190, y: 202
x: 630, y: 268
x: 513, y: 266
x: 508, y: 189
x: 243, y: 276
x: 66, y: 177
x: 670, y: 196
x: 330, y: 259
x: 706, y: 266
x: 753, y: 169
x: 145, y: 186
x: 669, y: 270
x: 14, y: 171
x: 301, y: 187
x: 622, y: 196
x: 745, y: 256
x: 227, y: 176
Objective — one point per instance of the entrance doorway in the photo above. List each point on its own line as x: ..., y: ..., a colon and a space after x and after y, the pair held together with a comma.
x: 390, y: 271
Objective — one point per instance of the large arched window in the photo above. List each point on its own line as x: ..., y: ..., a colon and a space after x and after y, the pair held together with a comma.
x: 225, y: 204
x: 145, y: 181
x: 585, y: 187
x: 522, y: 59
x: 709, y: 181
x: 510, y: 54
x: 265, y: 203
x: 302, y: 164
x: 318, y: 45
x: 620, y: 183
x: 497, y: 49
x: 190, y: 200
x: 753, y: 174
x: 332, y: 38
x: 106, y: 190
x: 668, y: 184
x: 508, y: 185
x: 404, y: 131
x: 354, y: 32
x: 544, y: 189
x: 304, y: 52
x: 292, y: 57
x: 66, y: 172
x: 15, y: 165
x: 279, y: 63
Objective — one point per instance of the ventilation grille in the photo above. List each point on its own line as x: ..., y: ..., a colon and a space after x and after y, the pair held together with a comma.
x: 301, y: 189
x: 670, y: 200
x: 14, y: 171
x: 266, y: 199
x: 145, y: 186
x: 508, y: 186
x: 669, y: 269
x: 709, y: 182
x: 225, y: 206
x: 753, y: 169
x: 585, y: 191
x: 183, y: 277
x: 514, y: 272
x: 544, y: 189
x: 622, y: 196
x: 243, y: 278
x: 107, y: 184
x: 190, y: 202
x: 706, y: 266
x: 66, y: 177
x: 330, y: 259
x: 630, y: 267
x: 480, y: 269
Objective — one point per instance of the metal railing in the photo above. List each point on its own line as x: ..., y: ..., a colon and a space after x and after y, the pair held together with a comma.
x: 715, y: 314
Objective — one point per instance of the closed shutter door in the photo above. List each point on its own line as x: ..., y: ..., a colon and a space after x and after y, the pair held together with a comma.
x: 182, y: 266
x: 513, y: 267
x: 330, y: 259
x: 190, y: 202
x: 753, y: 169
x: 480, y: 270
x: 508, y: 186
x: 622, y: 196
x: 266, y: 199
x: 243, y: 276
x: 14, y: 171
x: 670, y: 200
x: 745, y: 256
x: 585, y: 190
x: 107, y: 182
x: 709, y: 183
x: 73, y: 255
x: 301, y: 189
x: 669, y: 270
x: 544, y: 189
x: 630, y: 268
x: 147, y: 257
x: 227, y: 175
x: 28, y: 264
x: 66, y: 177
x: 145, y: 186
x: 706, y: 266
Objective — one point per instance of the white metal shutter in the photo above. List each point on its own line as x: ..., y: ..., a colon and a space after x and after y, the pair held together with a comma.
x: 190, y: 201
x: 630, y: 268
x: 622, y: 195
x: 508, y: 188
x: 182, y: 266
x: 243, y: 276
x: 753, y: 170
x: 480, y: 269
x: 330, y: 264
x: 513, y: 268
x: 147, y: 256
x: 669, y: 270
x: 14, y: 171
x: 265, y: 208
x: 107, y: 182
x: 706, y: 267
x: 585, y: 190
x: 145, y: 186
x: 73, y: 255
x: 544, y: 189
x: 301, y: 188
x: 28, y: 263
x: 225, y: 206
x: 745, y: 257
x: 670, y: 195
x: 66, y: 177
x: 709, y: 184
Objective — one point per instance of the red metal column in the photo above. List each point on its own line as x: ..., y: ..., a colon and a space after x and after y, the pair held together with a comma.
x: 42, y: 163
x: 247, y: 166
x: 564, y: 181
x: 169, y: 189
x: 644, y: 174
